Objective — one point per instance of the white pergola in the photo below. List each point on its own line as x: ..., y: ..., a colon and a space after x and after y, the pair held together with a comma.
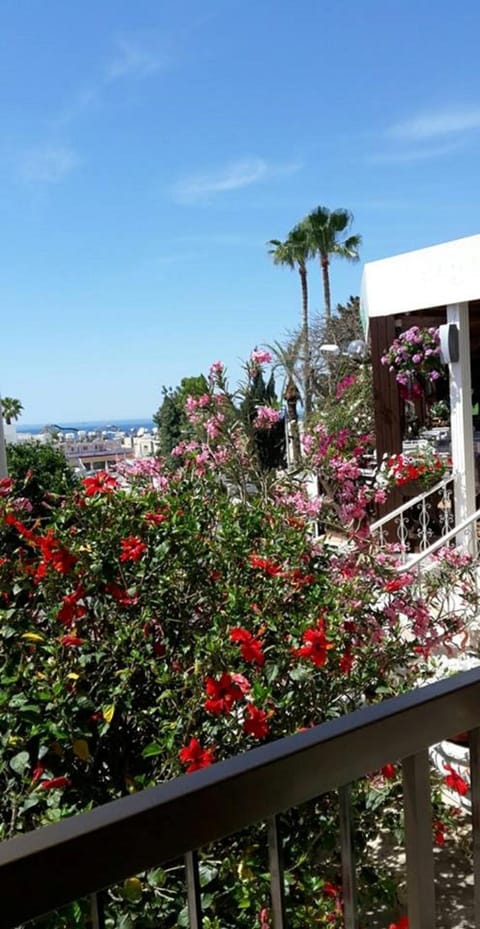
x: 446, y: 275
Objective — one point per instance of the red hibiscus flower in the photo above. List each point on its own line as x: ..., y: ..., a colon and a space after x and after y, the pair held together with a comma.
x: 316, y: 645
x: 195, y: 756
x: 71, y: 640
x: 389, y: 772
x: 346, y: 662
x: 55, y: 783
x: 401, y: 924
x: 298, y: 579
x: 22, y: 530
x: 331, y: 890
x: 121, y: 595
x: 403, y: 580
x: 100, y: 483
x: 37, y: 772
x: 155, y: 518
x: 6, y: 486
x: 132, y: 548
x: 264, y: 564
x: 71, y: 609
x: 222, y: 694
x: 251, y: 648
x: 439, y: 830
x: 54, y: 554
x: 455, y: 780
x: 256, y: 722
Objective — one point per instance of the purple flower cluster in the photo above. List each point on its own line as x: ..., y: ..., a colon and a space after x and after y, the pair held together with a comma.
x: 415, y: 354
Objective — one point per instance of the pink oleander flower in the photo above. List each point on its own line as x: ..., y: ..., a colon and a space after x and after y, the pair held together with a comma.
x: 453, y: 557
x: 260, y: 357
x: 213, y: 425
x: 216, y: 372
x: 190, y: 404
x: 266, y: 417
x: 307, y: 443
x: 302, y: 504
x: 185, y: 448
x: 344, y: 384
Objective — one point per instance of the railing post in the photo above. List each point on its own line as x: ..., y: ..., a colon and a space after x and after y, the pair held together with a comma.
x: 97, y: 911
x: 474, y: 740
x: 424, y: 519
x: 463, y: 456
x: 419, y: 841
x: 402, y: 534
x: 193, y: 891
x: 349, y: 882
x: 277, y: 885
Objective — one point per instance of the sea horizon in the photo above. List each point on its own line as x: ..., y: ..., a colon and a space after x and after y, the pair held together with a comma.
x: 90, y: 425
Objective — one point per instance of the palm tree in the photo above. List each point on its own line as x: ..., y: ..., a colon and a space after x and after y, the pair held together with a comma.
x: 295, y: 252
x: 324, y: 228
x: 11, y: 409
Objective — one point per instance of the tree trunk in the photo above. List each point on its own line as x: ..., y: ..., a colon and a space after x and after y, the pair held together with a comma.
x: 306, y: 343
x: 292, y: 398
x: 324, y: 263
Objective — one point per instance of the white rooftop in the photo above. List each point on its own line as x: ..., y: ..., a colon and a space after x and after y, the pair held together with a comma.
x: 427, y: 277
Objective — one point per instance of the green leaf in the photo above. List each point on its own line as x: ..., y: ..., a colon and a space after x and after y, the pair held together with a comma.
x: 182, y: 918
x: 153, y: 749
x: 125, y: 922
x: 157, y: 877
x: 206, y: 873
x: 299, y: 674
x: 29, y: 803
x: 19, y: 763
x: 272, y: 673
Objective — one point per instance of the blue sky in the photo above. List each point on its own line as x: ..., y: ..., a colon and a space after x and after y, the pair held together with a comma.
x: 150, y: 149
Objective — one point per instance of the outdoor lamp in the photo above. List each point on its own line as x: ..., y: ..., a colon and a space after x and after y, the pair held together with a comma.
x: 449, y: 343
x: 330, y: 347
x: 357, y: 348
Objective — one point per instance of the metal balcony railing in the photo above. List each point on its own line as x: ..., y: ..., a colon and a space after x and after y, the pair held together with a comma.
x: 420, y: 520
x: 45, y: 869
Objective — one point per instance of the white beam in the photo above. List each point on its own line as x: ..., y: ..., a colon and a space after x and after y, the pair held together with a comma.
x: 462, y: 425
x: 428, y: 277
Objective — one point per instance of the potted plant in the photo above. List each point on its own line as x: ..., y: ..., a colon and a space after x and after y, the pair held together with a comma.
x: 439, y: 414
x: 414, y: 357
x: 414, y: 472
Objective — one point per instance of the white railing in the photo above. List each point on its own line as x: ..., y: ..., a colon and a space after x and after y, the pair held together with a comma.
x: 453, y: 602
x: 458, y: 531
x: 415, y: 526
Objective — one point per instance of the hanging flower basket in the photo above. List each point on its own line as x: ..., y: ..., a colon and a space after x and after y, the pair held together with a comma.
x: 414, y: 357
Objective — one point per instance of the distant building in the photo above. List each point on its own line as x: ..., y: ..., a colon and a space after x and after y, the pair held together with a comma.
x: 96, y: 455
x: 145, y: 445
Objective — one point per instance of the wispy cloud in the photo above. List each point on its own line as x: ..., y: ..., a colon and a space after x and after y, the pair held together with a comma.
x: 47, y: 164
x: 80, y: 105
x: 198, y: 188
x: 405, y: 156
x: 436, y: 123
x: 134, y: 59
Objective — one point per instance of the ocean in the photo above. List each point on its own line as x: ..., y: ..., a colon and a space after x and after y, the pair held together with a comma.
x: 102, y: 425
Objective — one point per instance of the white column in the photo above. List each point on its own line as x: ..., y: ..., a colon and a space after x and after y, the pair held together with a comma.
x: 3, y: 451
x: 462, y: 425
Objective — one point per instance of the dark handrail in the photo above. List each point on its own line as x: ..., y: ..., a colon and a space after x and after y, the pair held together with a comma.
x: 49, y: 867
